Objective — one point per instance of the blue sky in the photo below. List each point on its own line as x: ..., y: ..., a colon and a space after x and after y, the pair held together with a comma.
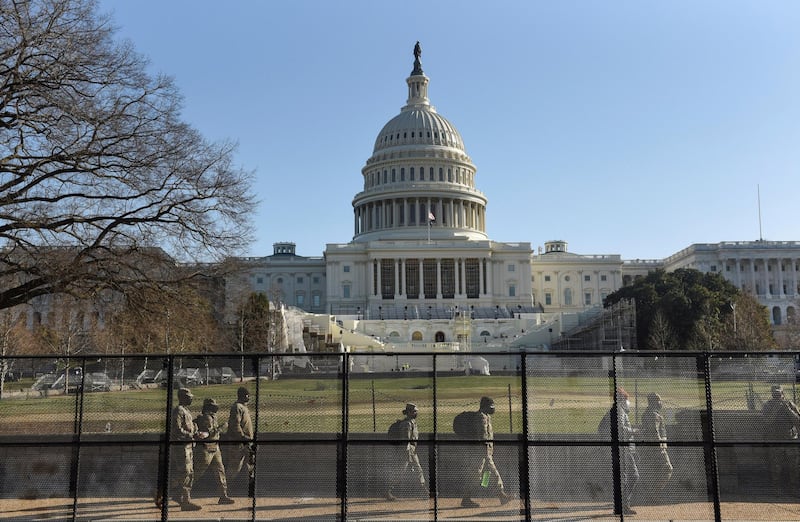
x: 633, y: 128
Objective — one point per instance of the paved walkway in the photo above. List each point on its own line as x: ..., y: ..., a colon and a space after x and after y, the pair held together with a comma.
x: 363, y: 509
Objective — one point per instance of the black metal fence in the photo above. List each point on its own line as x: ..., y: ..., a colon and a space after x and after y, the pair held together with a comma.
x: 89, y: 437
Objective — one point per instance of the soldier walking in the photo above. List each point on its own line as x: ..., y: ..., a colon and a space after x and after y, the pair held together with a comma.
x: 240, y: 428
x: 182, y: 472
x: 483, y: 461
x: 208, y: 454
x: 656, y: 465
x: 405, y: 430
x: 783, y: 419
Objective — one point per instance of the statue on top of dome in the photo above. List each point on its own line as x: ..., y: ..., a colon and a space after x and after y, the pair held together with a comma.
x: 417, y: 65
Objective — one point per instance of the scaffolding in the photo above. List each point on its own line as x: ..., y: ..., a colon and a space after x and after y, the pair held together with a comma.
x: 614, y: 329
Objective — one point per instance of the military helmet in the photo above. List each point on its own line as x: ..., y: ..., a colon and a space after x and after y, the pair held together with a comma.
x: 210, y: 405
x: 185, y: 393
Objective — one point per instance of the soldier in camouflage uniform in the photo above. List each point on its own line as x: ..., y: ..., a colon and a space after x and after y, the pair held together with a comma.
x: 240, y: 428
x: 782, y: 418
x: 207, y: 453
x: 182, y: 470
x: 656, y: 466
x: 407, y: 454
x: 483, y: 462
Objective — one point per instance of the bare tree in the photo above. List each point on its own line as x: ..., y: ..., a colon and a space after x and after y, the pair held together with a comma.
x: 662, y: 336
x: 101, y: 183
x: 9, y: 327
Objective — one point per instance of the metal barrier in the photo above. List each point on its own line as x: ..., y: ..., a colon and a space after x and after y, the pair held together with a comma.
x: 90, y: 437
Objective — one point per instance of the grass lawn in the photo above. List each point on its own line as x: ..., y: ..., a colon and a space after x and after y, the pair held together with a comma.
x: 557, y: 404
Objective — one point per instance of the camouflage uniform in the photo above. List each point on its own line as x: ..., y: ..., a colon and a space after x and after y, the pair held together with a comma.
x: 182, y: 472
x: 407, y: 454
x: 782, y: 418
x: 208, y: 454
x: 656, y: 465
x: 240, y: 428
x: 629, y: 471
x: 483, y: 460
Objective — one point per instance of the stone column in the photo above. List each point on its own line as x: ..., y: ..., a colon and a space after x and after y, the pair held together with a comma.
x: 421, y: 280
x: 438, y: 278
x: 456, y: 277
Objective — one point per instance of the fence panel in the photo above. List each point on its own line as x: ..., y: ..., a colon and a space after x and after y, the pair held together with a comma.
x: 84, y: 437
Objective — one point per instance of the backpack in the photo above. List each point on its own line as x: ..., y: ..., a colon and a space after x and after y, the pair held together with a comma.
x: 398, y: 430
x: 469, y: 425
x: 604, y: 428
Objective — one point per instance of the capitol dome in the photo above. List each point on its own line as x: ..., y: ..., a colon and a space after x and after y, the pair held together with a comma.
x: 419, y: 180
x: 416, y: 126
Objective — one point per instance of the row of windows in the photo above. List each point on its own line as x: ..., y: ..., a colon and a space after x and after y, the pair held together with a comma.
x: 586, y: 278
x: 447, y: 136
x: 567, y: 301
x: 300, y: 299
x: 300, y: 280
x: 755, y: 268
x: 462, y: 176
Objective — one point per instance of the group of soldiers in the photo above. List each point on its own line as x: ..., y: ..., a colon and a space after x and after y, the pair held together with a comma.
x: 654, y: 460
x: 480, y: 460
x: 780, y: 416
x: 202, y: 451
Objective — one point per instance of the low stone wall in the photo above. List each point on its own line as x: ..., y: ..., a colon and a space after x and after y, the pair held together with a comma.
x: 124, y: 465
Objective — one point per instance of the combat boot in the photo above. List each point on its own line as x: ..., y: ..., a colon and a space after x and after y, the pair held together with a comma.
x: 469, y: 503
x: 504, y: 497
x: 190, y: 506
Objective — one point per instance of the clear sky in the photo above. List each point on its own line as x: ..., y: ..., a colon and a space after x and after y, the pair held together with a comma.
x: 628, y: 127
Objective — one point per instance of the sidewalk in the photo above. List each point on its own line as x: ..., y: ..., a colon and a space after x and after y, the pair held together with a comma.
x: 96, y: 509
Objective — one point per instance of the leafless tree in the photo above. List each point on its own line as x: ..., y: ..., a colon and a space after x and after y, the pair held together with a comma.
x: 662, y: 336
x: 102, y: 185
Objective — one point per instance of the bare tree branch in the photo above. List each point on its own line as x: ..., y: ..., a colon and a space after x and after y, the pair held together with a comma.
x: 96, y: 167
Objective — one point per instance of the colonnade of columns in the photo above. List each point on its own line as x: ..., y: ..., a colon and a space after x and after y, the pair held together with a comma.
x: 406, y: 212
x: 775, y: 276
x: 438, y: 278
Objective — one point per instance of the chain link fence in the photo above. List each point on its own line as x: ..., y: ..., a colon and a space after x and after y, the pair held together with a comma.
x: 91, y: 437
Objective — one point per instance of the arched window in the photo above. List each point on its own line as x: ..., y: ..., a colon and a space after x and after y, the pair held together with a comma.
x: 416, y: 336
x: 776, y: 315
x: 568, y: 297
x: 439, y: 337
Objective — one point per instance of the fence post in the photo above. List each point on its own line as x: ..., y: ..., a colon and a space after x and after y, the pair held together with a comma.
x: 524, y: 478
x: 342, y: 468
x: 709, y: 443
x: 163, y: 475
x: 616, y: 468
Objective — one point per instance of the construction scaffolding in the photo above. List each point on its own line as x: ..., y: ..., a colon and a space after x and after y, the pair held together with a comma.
x: 614, y: 329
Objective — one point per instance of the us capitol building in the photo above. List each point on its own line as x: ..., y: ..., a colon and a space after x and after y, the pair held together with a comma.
x: 420, y: 253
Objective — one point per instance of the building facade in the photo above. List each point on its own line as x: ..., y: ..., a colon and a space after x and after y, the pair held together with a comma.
x: 419, y: 227
x: 420, y: 248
